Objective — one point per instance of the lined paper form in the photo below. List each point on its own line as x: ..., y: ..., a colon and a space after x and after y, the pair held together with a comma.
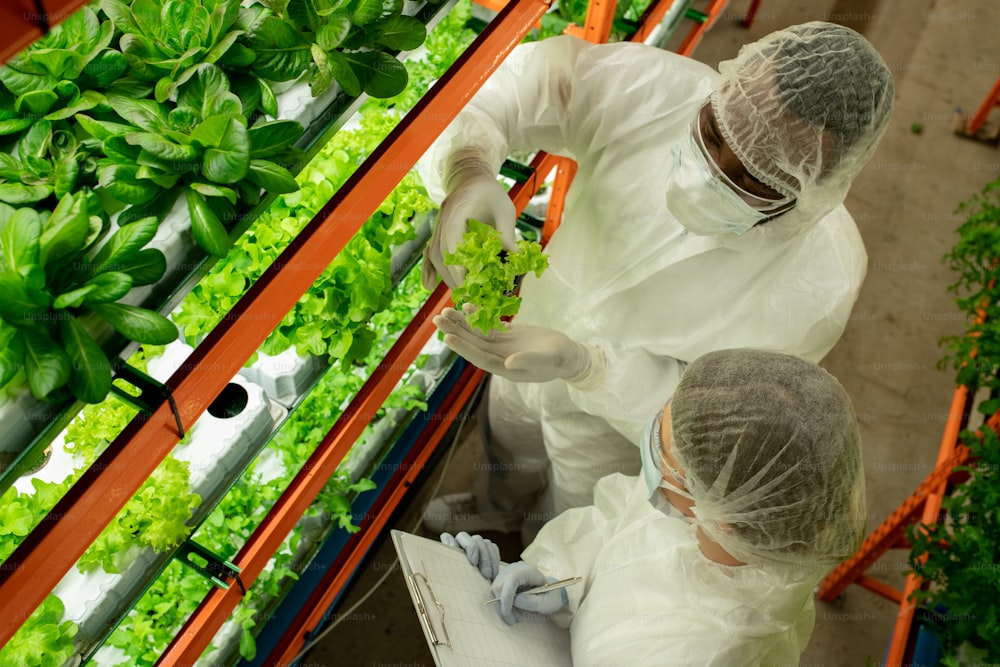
x: 476, y: 633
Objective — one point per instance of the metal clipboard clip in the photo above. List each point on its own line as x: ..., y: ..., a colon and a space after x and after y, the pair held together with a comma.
x: 423, y: 609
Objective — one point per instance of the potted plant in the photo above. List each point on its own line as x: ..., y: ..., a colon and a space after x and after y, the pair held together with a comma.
x: 958, y: 557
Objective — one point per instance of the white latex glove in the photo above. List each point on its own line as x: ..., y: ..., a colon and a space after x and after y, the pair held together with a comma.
x: 482, y: 553
x: 520, y: 575
x: 473, y: 192
x: 525, y: 353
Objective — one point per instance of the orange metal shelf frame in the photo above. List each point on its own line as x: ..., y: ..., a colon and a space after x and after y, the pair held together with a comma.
x: 923, y: 505
x: 45, y: 556
x: 991, y: 102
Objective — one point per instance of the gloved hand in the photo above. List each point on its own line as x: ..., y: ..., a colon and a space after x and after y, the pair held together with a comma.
x: 473, y: 192
x: 481, y: 552
x: 525, y: 353
x: 520, y: 575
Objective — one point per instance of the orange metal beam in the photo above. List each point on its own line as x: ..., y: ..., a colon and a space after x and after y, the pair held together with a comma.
x: 887, y: 535
x: 881, y: 588
x: 600, y: 18
x: 751, y: 14
x: 565, y: 171
x: 521, y: 193
x: 265, y: 541
x: 698, y: 31
x: 991, y: 101
x: 650, y: 19
x: 317, y: 605
x: 21, y: 22
x: 45, y: 556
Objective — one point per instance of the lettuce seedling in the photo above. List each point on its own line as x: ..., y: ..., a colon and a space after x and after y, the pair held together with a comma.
x: 45, y: 639
x: 491, y: 275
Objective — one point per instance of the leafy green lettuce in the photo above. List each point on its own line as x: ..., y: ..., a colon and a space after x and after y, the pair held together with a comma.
x: 491, y: 274
x: 45, y: 639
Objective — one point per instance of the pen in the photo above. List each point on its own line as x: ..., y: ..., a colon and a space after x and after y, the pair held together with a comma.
x: 552, y: 586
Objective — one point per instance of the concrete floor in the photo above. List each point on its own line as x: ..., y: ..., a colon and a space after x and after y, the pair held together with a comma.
x: 944, y: 54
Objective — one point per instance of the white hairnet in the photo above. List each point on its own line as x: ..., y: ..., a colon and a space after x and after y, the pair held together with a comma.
x: 771, y: 453
x: 804, y: 109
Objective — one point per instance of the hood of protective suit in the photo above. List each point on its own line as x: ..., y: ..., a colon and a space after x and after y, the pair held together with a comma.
x: 804, y: 109
x: 771, y: 451
x: 650, y: 597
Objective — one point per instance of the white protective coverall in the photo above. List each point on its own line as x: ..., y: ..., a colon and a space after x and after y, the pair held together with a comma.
x: 625, y: 275
x: 650, y: 597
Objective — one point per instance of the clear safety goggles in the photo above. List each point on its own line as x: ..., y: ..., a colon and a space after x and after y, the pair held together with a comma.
x: 655, y: 445
x: 756, y: 202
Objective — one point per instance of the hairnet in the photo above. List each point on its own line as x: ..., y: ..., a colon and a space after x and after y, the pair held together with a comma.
x: 771, y: 452
x: 804, y: 108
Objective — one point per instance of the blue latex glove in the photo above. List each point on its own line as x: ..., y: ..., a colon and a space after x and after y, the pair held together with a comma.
x: 481, y: 552
x: 520, y: 575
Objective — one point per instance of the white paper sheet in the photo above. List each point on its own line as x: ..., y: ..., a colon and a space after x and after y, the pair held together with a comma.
x: 475, y: 632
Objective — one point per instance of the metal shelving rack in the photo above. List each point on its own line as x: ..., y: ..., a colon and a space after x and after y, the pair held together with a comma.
x: 39, y: 563
x: 54, y: 546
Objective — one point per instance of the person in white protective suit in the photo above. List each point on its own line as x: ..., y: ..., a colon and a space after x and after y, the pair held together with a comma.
x: 707, y: 213
x: 752, y: 487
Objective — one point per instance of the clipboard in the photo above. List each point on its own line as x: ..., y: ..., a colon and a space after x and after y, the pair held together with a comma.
x: 448, y: 595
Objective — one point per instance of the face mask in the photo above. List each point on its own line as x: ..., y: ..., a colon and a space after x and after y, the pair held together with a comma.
x: 649, y: 451
x: 702, y: 203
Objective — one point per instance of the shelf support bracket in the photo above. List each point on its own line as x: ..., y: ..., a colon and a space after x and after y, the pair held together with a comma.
x: 213, y: 568
x: 152, y: 392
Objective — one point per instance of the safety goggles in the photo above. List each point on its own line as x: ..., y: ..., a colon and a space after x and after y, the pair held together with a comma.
x: 754, y: 201
x: 655, y: 445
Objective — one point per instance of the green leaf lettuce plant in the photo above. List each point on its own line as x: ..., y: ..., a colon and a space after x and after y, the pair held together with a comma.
x: 56, y: 284
x: 165, y: 41
x: 958, y: 557
x: 491, y: 275
x: 975, y: 354
x: 201, y: 148
x: 63, y: 73
x: 342, y: 41
x: 45, y: 639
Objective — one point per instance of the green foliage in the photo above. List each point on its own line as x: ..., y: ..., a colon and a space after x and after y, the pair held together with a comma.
x: 59, y: 75
x: 333, y: 318
x: 156, y: 516
x: 50, y: 164
x: 54, y: 279
x: 177, y: 592
x: 21, y: 512
x: 95, y: 427
x: 164, y: 41
x: 627, y: 13
x: 201, y: 147
x: 961, y: 555
x: 341, y: 41
x: 491, y: 274
x: 45, y: 640
x: 976, y: 353
x: 159, y: 615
